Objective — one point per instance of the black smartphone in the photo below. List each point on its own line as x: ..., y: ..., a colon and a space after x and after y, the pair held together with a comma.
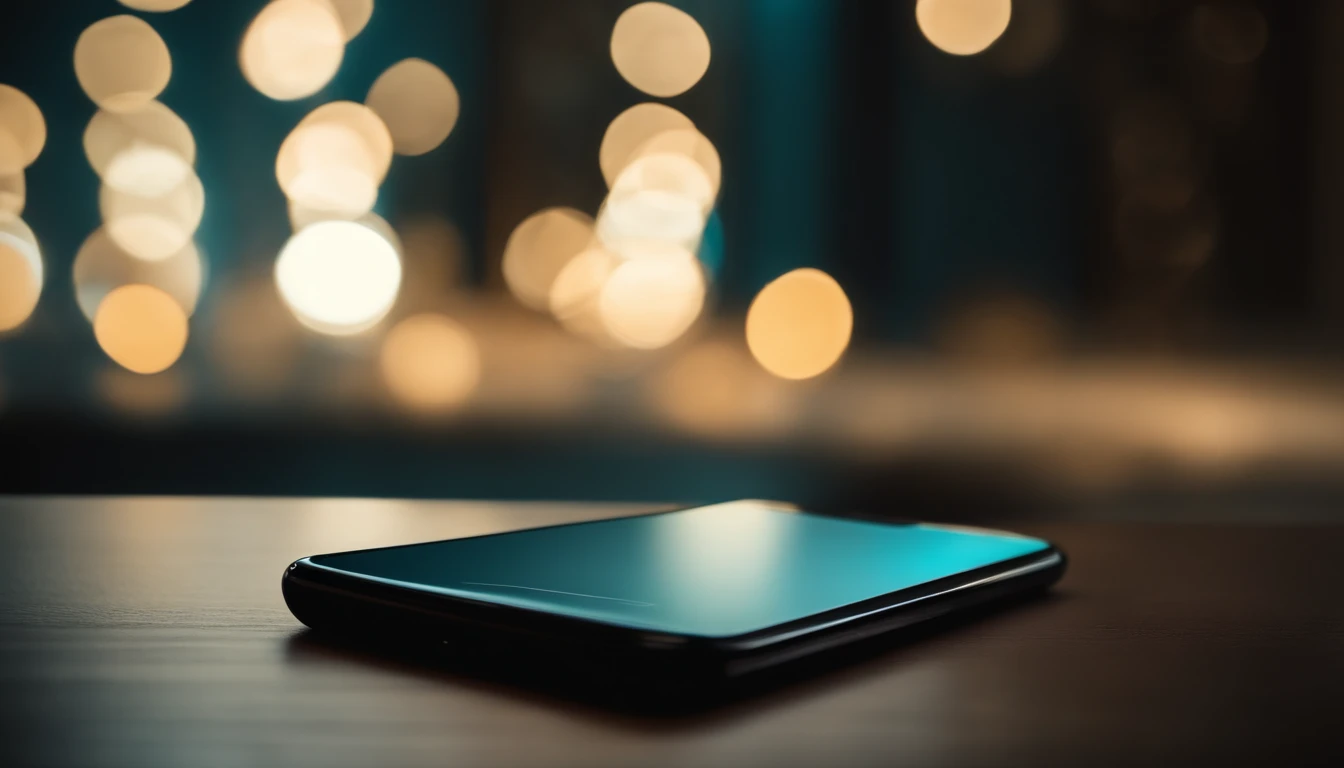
x: 685, y: 598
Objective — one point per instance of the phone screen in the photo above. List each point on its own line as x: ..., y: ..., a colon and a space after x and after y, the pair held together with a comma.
x: 713, y: 571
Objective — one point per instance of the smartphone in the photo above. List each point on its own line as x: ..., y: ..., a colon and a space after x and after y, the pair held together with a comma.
x: 685, y: 597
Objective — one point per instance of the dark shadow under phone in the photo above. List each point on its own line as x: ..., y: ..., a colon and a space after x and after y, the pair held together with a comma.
x: 609, y: 692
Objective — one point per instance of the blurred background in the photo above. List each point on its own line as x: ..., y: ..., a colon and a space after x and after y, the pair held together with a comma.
x: 945, y: 259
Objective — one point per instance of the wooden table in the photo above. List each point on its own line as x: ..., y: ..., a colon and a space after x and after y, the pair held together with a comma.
x: 151, y: 632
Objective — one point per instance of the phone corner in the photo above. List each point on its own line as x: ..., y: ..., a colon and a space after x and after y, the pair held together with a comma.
x: 293, y: 591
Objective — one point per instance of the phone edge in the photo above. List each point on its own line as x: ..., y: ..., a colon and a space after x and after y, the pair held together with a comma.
x: 315, y: 594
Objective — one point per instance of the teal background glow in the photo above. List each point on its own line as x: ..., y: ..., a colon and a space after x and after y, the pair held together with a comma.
x: 713, y: 571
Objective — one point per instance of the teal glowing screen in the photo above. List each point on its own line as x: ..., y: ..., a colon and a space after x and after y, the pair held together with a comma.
x: 714, y: 571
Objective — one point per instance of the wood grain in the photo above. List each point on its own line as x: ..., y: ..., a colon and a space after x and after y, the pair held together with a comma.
x: 151, y: 632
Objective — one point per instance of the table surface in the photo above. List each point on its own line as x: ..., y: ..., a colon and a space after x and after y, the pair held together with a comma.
x: 151, y: 632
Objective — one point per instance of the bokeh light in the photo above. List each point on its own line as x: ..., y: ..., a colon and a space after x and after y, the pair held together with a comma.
x: 658, y: 199
x: 632, y: 130
x: 15, y: 227
x: 23, y: 131
x: 575, y: 293
x: 13, y: 194
x: 419, y: 104
x: 156, y: 227
x: 338, y: 277
x: 335, y: 159
x: 102, y: 266
x: 301, y: 218
x: 963, y: 27
x: 691, y: 144
x: 702, y: 391
x: 293, y: 48
x: 21, y: 272
x: 122, y: 63
x: 539, y: 248
x: 666, y: 174
x: 660, y: 50
x: 799, y: 325
x: 147, y: 151
x: 353, y: 15
x: 154, y: 6
x: 715, y: 390
x: 430, y: 362
x: 648, y: 303
x: 141, y: 328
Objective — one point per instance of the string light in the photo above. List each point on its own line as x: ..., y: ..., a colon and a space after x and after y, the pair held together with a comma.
x: 633, y: 129
x: 335, y: 159
x: 21, y: 272
x: 799, y: 325
x: 353, y: 15
x: 419, y: 104
x: 121, y: 63
x: 539, y: 248
x: 963, y: 27
x: 576, y: 291
x: 13, y: 194
x: 293, y: 48
x: 691, y: 144
x: 142, y: 329
x: 153, y: 227
x: 147, y: 151
x: 659, y: 49
x: 154, y: 6
x: 300, y: 218
x: 102, y: 265
x: 23, y: 131
x: 657, y: 199
x: 650, y: 302
x: 338, y: 277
